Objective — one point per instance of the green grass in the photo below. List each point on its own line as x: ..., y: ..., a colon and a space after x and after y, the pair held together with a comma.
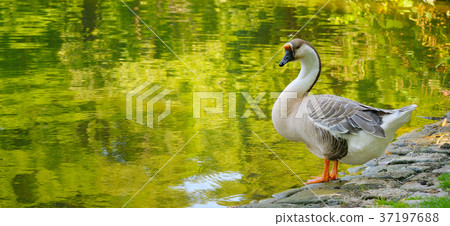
x: 439, y: 202
x: 394, y: 204
x: 445, y: 181
x: 432, y: 202
x: 435, y: 202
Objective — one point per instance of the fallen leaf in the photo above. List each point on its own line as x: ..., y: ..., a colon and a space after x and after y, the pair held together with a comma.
x: 445, y: 92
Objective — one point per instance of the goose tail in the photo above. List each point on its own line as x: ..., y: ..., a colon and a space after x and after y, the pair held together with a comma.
x: 394, y: 121
x: 409, y: 108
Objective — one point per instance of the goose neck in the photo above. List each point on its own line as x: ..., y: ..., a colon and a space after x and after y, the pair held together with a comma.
x: 309, y: 73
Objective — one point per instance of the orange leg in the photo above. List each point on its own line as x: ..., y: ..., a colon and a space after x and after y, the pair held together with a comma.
x: 325, y: 175
x: 334, y: 171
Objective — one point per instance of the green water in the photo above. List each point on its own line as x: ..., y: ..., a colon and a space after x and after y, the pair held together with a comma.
x: 66, y: 67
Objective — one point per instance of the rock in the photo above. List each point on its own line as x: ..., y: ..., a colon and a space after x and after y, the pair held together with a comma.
x: 385, y: 193
x: 365, y: 183
x: 413, y: 202
x: 421, y: 167
x: 422, y: 195
x: 418, y: 197
x: 352, y: 201
x: 349, y: 177
x: 434, y: 149
x: 269, y: 205
x: 314, y: 186
x: 418, y: 186
x: 432, y: 165
x: 420, y: 157
x: 307, y: 197
x: 356, y: 169
x: 430, y: 129
x: 397, y: 172
x: 445, y: 169
x: 267, y: 201
x: 445, y: 146
x: 284, y: 194
x: 401, y: 151
x: 416, y: 134
x: 373, y: 171
x: 333, y: 202
x: 381, y: 161
x: 429, y: 177
x: 422, y: 182
x: 334, y: 184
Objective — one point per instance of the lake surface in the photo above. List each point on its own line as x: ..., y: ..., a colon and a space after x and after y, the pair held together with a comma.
x: 66, y: 68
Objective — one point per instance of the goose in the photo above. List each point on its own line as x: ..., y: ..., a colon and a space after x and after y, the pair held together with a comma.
x: 333, y: 128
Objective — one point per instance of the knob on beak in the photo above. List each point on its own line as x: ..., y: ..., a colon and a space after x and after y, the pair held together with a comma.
x: 288, y: 46
x: 289, y: 55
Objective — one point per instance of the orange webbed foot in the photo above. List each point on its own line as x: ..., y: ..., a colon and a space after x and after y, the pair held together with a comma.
x: 318, y: 180
x: 333, y: 176
x: 325, y: 175
x: 334, y: 171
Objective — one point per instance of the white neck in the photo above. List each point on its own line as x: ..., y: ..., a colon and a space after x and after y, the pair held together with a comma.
x: 288, y: 103
x: 308, y: 73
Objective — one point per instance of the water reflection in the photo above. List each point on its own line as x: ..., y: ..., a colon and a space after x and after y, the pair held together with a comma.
x: 65, y: 68
x: 25, y: 186
x: 202, y: 189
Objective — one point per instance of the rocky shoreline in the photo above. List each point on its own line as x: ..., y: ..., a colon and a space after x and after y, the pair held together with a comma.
x: 407, y: 173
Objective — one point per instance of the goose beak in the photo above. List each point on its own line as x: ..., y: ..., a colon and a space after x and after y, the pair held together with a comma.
x: 288, y: 56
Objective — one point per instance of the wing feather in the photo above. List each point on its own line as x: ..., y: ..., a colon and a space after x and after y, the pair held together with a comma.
x: 345, y: 116
x: 361, y: 123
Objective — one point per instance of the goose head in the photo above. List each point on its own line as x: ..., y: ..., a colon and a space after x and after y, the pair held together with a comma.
x: 300, y: 50
x: 296, y: 49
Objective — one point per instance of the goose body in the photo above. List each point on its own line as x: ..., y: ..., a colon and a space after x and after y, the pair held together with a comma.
x: 333, y: 128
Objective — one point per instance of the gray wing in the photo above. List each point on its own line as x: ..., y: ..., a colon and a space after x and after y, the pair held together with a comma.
x: 344, y: 116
